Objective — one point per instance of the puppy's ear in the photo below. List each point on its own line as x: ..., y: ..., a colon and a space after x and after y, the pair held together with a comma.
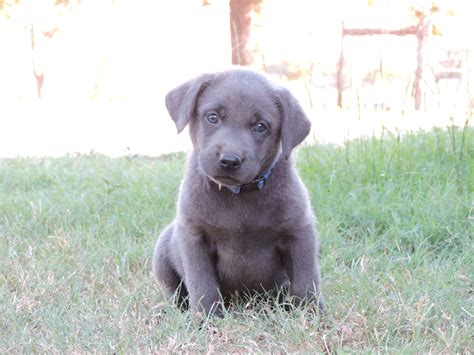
x: 295, y: 126
x: 181, y: 101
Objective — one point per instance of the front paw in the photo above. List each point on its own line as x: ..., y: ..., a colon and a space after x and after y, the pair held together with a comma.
x: 216, y: 310
x: 314, y: 301
x: 206, y: 308
x: 203, y: 312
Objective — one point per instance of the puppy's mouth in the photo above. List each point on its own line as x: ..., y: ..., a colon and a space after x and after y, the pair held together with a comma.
x: 225, y: 180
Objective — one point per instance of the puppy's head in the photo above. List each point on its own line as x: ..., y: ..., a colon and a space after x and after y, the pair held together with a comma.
x: 238, y: 122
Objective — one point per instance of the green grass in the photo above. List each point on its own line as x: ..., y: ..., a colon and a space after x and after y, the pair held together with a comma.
x: 396, y: 222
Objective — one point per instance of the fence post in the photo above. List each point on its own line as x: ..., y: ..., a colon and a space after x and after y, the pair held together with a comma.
x: 340, y: 70
x: 422, y: 32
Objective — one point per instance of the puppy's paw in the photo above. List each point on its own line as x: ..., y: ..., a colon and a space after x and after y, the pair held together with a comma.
x: 313, y: 303
x: 204, y: 313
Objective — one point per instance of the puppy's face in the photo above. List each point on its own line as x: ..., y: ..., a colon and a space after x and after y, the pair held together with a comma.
x: 236, y: 130
x: 239, y: 122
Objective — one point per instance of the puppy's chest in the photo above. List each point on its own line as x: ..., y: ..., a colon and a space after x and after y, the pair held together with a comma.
x: 247, y: 237
x: 250, y: 257
x: 241, y: 237
x: 236, y: 221
x: 241, y: 215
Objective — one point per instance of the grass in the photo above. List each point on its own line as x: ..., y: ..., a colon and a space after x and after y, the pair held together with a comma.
x: 395, y: 216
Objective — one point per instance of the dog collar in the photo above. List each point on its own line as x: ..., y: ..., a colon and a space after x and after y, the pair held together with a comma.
x: 254, y: 185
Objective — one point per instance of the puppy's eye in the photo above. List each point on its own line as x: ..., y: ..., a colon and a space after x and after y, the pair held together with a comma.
x: 212, y: 118
x: 260, y: 127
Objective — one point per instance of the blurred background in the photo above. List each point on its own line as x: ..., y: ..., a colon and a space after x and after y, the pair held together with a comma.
x: 81, y: 76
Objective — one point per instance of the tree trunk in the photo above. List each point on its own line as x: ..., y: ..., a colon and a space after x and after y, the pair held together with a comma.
x: 240, y: 23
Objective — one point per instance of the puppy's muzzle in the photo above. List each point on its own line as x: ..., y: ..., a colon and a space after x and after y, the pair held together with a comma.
x: 230, y: 161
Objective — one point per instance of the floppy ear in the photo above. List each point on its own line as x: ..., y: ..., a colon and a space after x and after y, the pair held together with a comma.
x: 295, y: 126
x: 181, y: 101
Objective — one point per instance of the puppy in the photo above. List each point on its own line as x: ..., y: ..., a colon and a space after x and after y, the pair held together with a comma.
x: 244, y: 223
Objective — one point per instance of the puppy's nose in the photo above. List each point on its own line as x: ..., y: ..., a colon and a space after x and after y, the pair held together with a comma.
x: 230, y: 161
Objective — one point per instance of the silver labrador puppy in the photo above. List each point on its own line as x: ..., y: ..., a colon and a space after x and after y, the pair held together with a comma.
x: 244, y: 222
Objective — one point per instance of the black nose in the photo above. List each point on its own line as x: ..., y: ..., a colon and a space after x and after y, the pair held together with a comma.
x: 230, y: 161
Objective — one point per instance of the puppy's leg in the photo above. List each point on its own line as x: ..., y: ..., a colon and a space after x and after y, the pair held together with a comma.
x: 199, y: 272
x: 164, y: 271
x: 303, y: 268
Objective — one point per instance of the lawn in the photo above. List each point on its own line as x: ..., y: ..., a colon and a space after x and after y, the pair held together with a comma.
x: 395, y: 215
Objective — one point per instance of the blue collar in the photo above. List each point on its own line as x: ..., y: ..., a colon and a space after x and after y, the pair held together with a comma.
x: 254, y: 185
